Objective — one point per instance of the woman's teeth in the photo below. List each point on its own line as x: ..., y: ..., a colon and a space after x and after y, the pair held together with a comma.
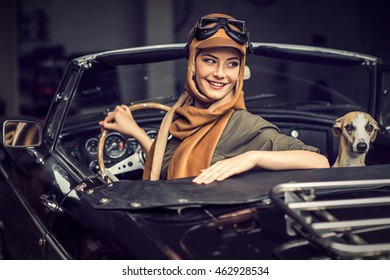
x: 217, y: 84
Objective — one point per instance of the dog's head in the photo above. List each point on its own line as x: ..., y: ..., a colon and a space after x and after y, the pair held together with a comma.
x: 359, y: 129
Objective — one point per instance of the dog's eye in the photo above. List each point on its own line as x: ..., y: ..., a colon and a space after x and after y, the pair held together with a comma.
x: 369, y: 128
x: 349, y: 127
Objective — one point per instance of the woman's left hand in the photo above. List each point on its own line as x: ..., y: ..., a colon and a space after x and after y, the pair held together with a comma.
x: 226, y: 168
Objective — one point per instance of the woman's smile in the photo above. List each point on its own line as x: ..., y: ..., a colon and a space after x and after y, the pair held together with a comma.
x: 216, y: 85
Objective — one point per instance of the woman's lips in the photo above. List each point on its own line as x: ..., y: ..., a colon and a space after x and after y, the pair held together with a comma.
x: 216, y: 85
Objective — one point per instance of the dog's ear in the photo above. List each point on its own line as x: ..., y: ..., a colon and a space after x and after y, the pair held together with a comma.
x: 336, y: 130
x: 375, y: 131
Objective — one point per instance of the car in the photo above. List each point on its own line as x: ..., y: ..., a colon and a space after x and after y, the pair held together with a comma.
x: 70, y: 190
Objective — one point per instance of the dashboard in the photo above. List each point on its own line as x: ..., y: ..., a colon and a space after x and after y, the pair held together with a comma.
x: 124, y: 158
x: 122, y: 153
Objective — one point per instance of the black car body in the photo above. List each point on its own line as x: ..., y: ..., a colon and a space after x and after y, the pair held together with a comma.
x: 55, y: 203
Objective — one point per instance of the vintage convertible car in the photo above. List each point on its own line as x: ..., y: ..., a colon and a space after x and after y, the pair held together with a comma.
x: 69, y: 190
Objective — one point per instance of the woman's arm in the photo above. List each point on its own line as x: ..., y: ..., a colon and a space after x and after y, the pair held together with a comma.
x: 122, y: 120
x: 272, y: 160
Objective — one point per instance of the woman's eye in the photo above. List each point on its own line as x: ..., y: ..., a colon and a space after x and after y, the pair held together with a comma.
x: 233, y: 64
x: 209, y: 60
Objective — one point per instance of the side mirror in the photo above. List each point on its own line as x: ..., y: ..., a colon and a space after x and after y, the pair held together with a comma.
x: 21, y: 134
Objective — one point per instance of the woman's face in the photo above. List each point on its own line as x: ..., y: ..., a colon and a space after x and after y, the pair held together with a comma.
x: 217, y: 71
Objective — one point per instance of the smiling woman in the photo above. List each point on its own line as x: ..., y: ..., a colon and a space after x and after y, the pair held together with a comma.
x: 210, y: 112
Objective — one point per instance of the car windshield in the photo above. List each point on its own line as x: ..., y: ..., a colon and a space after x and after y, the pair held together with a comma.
x: 104, y: 86
x: 272, y: 83
x: 307, y: 86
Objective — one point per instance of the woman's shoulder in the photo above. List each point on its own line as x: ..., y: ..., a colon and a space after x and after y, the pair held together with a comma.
x: 244, y: 117
x: 243, y: 122
x: 244, y: 132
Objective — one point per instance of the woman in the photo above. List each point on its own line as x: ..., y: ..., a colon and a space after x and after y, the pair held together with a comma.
x: 213, y: 136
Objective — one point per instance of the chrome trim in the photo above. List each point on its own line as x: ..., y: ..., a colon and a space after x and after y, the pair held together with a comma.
x: 90, y: 57
x: 318, y: 49
x: 3, y: 172
x: 336, y: 204
x: 339, y: 235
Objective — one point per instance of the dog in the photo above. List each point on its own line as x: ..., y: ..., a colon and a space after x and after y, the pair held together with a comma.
x: 357, y: 130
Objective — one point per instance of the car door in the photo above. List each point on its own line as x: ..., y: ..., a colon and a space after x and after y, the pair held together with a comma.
x: 36, y: 184
x: 25, y: 215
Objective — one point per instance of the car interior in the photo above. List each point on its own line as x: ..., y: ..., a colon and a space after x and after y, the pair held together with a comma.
x: 294, y: 95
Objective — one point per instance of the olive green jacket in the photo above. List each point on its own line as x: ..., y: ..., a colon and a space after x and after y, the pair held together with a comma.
x: 244, y: 132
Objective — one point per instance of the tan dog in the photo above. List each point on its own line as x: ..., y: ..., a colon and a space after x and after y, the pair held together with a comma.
x: 356, y: 131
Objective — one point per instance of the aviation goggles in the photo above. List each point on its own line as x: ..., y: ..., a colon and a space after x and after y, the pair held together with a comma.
x: 235, y: 29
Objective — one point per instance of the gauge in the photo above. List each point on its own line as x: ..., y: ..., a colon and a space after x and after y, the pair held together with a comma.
x: 91, y: 146
x: 94, y: 166
x: 152, y: 134
x: 115, y: 145
x: 133, y: 145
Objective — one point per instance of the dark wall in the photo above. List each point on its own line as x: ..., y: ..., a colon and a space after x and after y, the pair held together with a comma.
x: 50, y: 32
x: 352, y: 25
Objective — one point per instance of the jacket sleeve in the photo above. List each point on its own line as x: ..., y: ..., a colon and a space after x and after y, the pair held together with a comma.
x: 248, y: 132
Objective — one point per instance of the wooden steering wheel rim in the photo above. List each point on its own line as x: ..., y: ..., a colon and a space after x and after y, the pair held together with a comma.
x: 103, y: 135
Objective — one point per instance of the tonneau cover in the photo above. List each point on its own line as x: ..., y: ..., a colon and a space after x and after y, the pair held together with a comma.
x: 250, y: 187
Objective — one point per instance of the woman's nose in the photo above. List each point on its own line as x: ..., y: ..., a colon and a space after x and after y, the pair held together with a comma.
x: 219, y: 72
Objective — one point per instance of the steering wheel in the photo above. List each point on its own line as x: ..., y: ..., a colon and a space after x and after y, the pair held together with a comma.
x: 135, y: 161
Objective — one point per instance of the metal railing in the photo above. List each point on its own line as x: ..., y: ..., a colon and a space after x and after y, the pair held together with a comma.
x: 347, y: 219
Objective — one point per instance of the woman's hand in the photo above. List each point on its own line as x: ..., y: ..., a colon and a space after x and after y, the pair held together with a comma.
x: 272, y: 160
x: 225, y: 168
x: 122, y: 120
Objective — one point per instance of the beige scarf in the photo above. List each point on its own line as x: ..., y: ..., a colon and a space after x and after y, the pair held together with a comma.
x: 199, y: 129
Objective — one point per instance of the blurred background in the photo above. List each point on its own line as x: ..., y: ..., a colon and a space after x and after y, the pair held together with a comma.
x: 39, y: 37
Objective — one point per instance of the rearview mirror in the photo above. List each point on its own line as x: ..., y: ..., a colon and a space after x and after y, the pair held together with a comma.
x: 21, y: 134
